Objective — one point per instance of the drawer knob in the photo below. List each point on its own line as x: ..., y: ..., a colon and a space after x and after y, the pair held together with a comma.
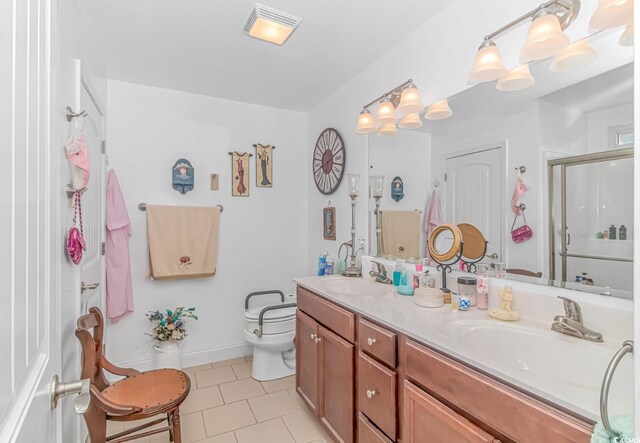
x: 317, y: 339
x: 313, y: 336
x: 371, y: 393
x: 371, y: 341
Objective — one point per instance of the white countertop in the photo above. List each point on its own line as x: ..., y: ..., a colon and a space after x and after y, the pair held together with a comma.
x: 563, y: 370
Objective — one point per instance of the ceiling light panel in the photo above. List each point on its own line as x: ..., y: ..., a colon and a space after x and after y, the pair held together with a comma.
x: 270, y: 25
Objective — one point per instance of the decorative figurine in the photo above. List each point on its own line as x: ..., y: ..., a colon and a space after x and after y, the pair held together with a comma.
x: 397, y: 189
x: 505, y: 312
x: 182, y: 173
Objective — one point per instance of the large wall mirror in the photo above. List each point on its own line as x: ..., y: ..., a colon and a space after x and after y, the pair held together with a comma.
x: 562, y: 147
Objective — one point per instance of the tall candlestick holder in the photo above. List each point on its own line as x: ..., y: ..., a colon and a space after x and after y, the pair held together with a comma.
x: 376, y: 186
x: 353, y: 270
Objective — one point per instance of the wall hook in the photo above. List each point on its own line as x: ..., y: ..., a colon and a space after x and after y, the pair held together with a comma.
x: 71, y: 115
x: 521, y: 169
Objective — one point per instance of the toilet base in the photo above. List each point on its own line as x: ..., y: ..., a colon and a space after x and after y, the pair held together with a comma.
x: 269, y: 365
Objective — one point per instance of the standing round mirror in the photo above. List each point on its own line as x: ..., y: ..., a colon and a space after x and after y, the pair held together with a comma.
x: 475, y: 246
x: 445, y: 242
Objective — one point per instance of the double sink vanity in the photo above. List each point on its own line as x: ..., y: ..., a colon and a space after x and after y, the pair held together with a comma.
x: 375, y: 367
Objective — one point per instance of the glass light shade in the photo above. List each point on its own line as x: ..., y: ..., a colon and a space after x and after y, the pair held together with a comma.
x: 270, y: 31
x: 439, y: 110
x: 574, y: 56
x: 544, y: 39
x: 626, y: 39
x: 516, y: 79
x: 353, y: 182
x: 385, y: 112
x: 376, y: 182
x: 410, y: 100
x: 488, y: 64
x: 611, y: 14
x: 388, y: 129
x: 365, y: 122
x: 410, y: 121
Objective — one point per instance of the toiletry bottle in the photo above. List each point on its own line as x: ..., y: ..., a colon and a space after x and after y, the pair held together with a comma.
x: 605, y: 234
x: 482, y: 299
x: 454, y: 302
x: 612, y: 232
x: 397, y: 273
x: 328, y: 266
x: 322, y: 259
x: 623, y: 232
x: 403, y: 275
x: 417, y: 276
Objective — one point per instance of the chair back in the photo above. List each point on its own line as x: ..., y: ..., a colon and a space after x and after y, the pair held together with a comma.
x: 90, y: 333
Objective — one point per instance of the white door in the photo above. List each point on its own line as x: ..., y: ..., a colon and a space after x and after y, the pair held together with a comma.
x: 473, y: 194
x: 30, y: 245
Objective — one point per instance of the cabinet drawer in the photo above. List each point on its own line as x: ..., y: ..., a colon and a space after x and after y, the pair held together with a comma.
x: 368, y: 433
x: 377, y: 393
x: 502, y: 408
x: 377, y: 341
x: 339, y: 320
x: 429, y: 421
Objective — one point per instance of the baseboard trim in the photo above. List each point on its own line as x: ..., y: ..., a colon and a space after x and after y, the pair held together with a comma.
x: 196, y: 358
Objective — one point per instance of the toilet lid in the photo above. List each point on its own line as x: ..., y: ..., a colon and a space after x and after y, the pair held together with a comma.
x: 270, y: 316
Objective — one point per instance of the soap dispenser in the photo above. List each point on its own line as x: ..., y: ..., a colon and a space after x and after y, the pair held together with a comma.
x: 397, y: 273
x: 612, y: 232
x: 623, y: 232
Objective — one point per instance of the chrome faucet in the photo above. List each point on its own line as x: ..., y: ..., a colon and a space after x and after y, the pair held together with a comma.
x: 571, y: 323
x: 380, y: 273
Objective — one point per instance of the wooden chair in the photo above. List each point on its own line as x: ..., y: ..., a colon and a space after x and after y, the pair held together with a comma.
x: 140, y: 395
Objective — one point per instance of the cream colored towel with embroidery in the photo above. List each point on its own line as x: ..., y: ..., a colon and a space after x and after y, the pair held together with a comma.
x: 183, y: 241
x: 400, y: 234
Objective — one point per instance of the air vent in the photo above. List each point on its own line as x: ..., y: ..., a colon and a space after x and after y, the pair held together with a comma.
x: 270, y: 25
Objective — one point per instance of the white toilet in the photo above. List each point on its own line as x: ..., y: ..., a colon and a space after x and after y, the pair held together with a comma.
x: 273, y: 349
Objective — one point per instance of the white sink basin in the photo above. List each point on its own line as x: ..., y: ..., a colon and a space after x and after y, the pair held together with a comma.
x: 354, y: 286
x: 569, y: 367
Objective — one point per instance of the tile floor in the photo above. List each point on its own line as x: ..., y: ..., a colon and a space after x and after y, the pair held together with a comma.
x: 226, y: 405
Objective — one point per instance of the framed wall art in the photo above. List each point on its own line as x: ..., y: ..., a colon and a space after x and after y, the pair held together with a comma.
x: 182, y: 176
x: 264, y: 165
x: 329, y: 222
x: 240, y: 173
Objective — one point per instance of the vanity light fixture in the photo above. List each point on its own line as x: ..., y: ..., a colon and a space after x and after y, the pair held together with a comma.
x: 388, y: 129
x: 365, y: 122
x: 611, y: 14
x: 544, y: 38
x: 516, y: 79
x: 488, y: 64
x: 410, y: 100
x: 270, y: 25
x: 439, y: 110
x: 410, y: 121
x: 626, y: 39
x: 386, y: 113
x: 574, y: 56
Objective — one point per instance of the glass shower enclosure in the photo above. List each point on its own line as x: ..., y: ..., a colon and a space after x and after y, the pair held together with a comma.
x: 591, y: 221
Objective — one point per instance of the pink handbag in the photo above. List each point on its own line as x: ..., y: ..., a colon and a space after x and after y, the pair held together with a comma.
x: 523, y: 233
x: 75, y: 237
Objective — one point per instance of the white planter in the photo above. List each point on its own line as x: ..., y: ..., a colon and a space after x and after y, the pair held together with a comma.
x: 168, y: 354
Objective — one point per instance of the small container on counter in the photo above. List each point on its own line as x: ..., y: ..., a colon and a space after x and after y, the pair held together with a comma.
x: 464, y: 304
x: 454, y: 302
x: 622, y: 232
x: 328, y: 266
x: 417, y: 276
x: 482, y: 297
x: 500, y: 269
x: 446, y: 295
x: 405, y: 290
x: 467, y: 288
x: 428, y: 297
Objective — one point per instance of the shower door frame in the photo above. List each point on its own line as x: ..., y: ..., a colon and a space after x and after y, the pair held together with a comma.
x: 563, y: 163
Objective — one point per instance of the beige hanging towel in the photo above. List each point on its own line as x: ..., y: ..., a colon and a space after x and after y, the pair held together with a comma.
x: 183, y: 241
x: 400, y: 234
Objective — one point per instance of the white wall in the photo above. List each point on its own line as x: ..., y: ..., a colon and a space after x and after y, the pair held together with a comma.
x: 263, y: 238
x: 600, y: 124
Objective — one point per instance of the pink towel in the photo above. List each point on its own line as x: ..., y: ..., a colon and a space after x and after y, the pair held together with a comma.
x: 433, y: 217
x: 118, y: 273
x: 520, y: 190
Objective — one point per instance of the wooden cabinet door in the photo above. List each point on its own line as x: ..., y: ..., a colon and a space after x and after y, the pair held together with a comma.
x: 307, y: 360
x: 426, y: 420
x: 337, y: 385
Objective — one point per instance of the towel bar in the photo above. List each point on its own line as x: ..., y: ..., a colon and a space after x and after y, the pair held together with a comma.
x: 143, y: 207
x: 627, y: 347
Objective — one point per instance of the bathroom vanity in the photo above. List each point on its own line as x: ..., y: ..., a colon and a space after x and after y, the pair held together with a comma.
x: 373, y: 367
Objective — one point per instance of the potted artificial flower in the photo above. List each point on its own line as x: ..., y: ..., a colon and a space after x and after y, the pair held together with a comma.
x: 168, y: 330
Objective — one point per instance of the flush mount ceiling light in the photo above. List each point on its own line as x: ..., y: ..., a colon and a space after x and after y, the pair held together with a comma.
x: 574, y: 56
x: 611, y: 14
x: 439, y: 110
x: 516, y: 79
x: 545, y: 38
x: 270, y: 25
x: 626, y: 39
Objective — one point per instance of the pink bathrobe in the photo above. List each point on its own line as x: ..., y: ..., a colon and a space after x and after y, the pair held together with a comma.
x: 119, y: 293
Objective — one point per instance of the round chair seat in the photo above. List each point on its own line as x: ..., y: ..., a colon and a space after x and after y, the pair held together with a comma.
x: 151, y: 389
